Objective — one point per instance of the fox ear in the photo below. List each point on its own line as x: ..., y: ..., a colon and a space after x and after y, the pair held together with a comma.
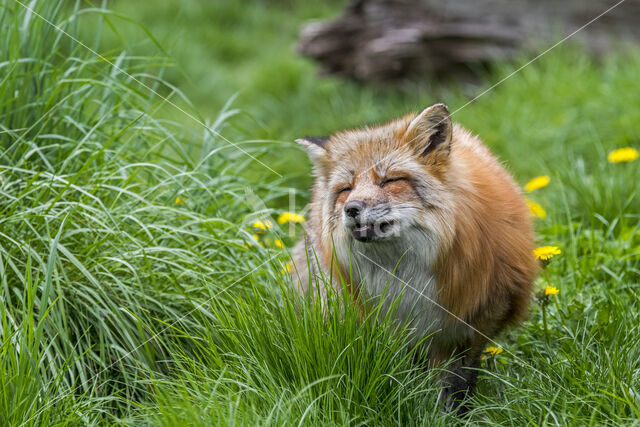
x: 315, y: 146
x: 430, y: 131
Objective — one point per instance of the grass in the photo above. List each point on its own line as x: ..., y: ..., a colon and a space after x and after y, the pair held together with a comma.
x: 133, y: 291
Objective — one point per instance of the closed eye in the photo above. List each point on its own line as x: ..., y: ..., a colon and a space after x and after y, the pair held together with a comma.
x: 342, y: 190
x: 389, y: 181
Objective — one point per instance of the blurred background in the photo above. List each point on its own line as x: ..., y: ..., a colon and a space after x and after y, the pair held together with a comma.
x: 245, y: 51
x: 294, y: 68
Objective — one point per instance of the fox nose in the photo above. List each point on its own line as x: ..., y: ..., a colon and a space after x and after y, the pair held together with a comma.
x: 353, y: 208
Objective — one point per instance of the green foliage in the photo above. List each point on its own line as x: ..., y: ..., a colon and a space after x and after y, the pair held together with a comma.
x: 133, y: 292
x: 96, y: 251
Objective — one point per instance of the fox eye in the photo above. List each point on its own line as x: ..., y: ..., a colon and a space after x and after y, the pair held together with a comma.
x: 390, y: 180
x: 344, y: 190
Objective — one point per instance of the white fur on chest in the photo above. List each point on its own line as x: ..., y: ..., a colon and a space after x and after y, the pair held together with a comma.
x: 400, y: 270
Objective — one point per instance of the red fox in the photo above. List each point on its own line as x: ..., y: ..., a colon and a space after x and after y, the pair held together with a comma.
x: 420, y: 211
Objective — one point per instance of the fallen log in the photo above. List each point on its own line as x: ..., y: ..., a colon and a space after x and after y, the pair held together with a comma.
x: 385, y: 40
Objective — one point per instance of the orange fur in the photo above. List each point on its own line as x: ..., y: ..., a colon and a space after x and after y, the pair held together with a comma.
x: 490, y: 262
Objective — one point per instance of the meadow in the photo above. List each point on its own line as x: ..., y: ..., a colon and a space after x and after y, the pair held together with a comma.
x: 143, y: 150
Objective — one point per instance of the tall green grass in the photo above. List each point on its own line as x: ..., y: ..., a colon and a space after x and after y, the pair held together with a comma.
x: 133, y: 291
x: 114, y: 224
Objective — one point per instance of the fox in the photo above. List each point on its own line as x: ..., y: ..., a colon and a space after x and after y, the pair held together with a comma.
x: 417, y: 214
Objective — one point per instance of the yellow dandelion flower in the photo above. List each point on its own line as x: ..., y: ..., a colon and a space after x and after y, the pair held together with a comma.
x: 536, y: 209
x: 546, y: 252
x: 279, y: 243
x: 286, y: 268
x: 491, y: 351
x: 290, y: 217
x: 262, y: 226
x: 254, y: 239
x: 536, y: 183
x: 627, y: 154
x: 550, y: 290
x: 180, y: 200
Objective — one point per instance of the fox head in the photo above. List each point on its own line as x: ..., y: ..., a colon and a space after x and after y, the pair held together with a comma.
x: 384, y: 183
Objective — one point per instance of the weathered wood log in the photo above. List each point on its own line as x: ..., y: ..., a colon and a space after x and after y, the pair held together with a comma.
x: 383, y: 40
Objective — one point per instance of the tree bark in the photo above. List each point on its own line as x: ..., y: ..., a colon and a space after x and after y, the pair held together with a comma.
x: 383, y: 40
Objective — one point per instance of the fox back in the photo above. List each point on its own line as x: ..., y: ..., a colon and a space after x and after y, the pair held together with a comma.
x: 419, y: 213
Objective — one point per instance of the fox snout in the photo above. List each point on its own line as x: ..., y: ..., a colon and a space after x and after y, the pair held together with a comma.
x: 368, y: 223
x: 354, y: 208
